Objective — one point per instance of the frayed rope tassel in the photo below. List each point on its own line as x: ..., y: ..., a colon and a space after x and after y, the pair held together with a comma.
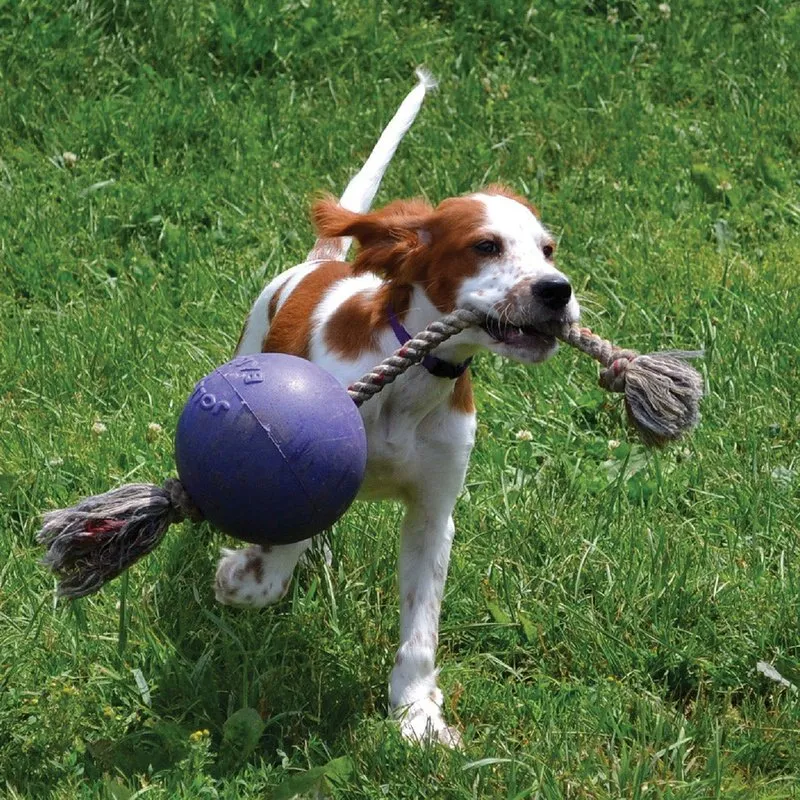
x: 662, y: 392
x: 96, y: 540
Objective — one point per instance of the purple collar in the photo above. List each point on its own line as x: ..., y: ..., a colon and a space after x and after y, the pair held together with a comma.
x: 436, y: 366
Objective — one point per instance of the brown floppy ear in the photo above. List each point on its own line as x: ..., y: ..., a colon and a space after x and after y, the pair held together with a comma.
x: 331, y: 220
x: 387, y: 238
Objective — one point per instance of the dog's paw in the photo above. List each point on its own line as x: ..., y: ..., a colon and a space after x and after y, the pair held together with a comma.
x: 253, y: 577
x: 422, y: 722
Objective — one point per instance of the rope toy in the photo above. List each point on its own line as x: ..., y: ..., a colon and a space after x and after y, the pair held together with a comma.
x: 662, y: 392
x: 99, y: 538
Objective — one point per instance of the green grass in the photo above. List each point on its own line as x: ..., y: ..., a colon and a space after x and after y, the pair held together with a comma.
x: 606, y: 607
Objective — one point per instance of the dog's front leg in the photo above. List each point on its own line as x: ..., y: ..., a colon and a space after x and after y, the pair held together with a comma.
x: 415, y: 697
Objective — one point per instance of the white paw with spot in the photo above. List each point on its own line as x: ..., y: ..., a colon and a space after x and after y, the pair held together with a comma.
x: 422, y: 722
x: 253, y: 577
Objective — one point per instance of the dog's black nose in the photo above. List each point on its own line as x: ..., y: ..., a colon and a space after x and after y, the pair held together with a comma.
x: 554, y: 293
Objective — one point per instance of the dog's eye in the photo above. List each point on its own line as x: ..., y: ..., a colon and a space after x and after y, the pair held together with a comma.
x: 548, y: 251
x: 487, y: 246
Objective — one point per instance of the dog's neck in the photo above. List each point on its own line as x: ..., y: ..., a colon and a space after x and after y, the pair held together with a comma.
x: 421, y: 313
x: 418, y: 393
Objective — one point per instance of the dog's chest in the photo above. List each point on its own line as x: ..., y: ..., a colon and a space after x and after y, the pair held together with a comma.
x: 412, y: 436
x: 396, y: 458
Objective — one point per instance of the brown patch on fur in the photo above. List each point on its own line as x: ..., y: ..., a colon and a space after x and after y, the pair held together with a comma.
x: 462, y: 400
x: 407, y: 242
x: 356, y: 325
x: 255, y: 564
x: 455, y: 226
x: 290, y: 331
x: 387, y: 238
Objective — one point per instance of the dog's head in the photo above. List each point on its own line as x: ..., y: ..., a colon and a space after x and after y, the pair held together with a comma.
x: 486, y: 250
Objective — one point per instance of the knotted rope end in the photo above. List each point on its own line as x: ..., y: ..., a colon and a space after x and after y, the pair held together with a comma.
x: 92, y: 542
x: 662, y: 395
x: 662, y: 391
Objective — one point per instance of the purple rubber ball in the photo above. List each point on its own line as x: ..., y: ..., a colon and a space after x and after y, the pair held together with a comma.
x: 271, y: 448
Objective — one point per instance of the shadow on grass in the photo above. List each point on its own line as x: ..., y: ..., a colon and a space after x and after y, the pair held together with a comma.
x: 213, y: 661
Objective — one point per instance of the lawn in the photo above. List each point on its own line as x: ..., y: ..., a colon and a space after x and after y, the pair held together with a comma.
x: 607, y: 606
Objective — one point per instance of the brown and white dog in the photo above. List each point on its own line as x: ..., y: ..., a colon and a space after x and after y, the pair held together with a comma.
x: 414, y: 264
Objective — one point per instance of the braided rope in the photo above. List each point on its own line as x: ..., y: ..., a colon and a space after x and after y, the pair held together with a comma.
x: 615, y: 360
x: 411, y: 353
x: 100, y: 537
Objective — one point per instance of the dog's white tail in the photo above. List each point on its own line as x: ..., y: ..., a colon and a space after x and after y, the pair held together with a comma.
x: 361, y: 190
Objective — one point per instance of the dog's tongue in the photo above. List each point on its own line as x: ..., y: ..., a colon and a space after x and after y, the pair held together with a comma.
x: 515, y: 336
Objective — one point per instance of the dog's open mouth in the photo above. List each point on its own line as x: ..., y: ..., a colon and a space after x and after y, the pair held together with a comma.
x: 522, y: 336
